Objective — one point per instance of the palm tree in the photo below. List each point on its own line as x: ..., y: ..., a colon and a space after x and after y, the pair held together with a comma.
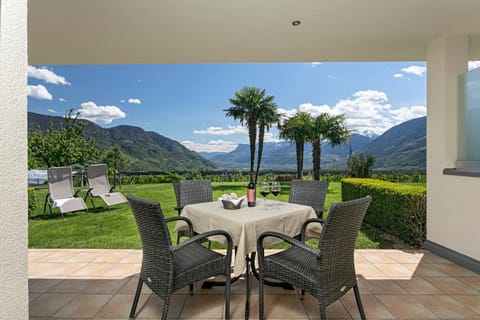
x: 295, y: 130
x: 326, y: 127
x: 252, y: 107
x: 268, y: 115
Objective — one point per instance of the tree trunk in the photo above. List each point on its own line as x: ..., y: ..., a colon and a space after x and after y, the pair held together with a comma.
x: 261, y: 135
x: 300, y: 145
x: 316, y: 151
x: 252, y: 136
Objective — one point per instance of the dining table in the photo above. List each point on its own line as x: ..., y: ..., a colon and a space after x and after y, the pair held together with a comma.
x: 246, y: 224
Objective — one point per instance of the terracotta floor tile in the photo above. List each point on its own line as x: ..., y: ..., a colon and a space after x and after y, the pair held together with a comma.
x: 102, y: 286
x: 425, y: 270
x: 131, y: 286
x: 119, y: 306
x: 405, y: 307
x: 471, y: 301
x: 418, y: 285
x: 70, y: 286
x: 58, y: 256
x: 153, y: 308
x: 382, y: 286
x: 358, y: 258
x: 473, y: 282
x: 378, y: 257
x: 446, y: 307
x: 451, y: 285
x: 367, y: 270
x: 35, y: 255
x: 51, y: 269
x: 406, y: 257
x: 111, y: 257
x: 83, y: 257
x: 374, y: 309
x: 203, y: 307
x: 41, y: 285
x: 95, y: 269
x: 456, y: 270
x: 48, y: 304
x: 394, y: 270
x: 334, y: 311
x: 83, y: 306
x: 429, y: 257
x: 283, y: 307
x: 33, y: 296
x: 122, y: 270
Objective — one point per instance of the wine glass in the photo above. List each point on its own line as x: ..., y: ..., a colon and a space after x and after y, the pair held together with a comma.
x: 276, y: 189
x: 264, y: 191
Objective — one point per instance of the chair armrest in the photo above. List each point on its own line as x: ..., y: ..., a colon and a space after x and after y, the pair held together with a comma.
x: 75, y: 195
x: 305, y: 224
x: 290, y: 240
x: 204, y: 236
x: 185, y: 219
x: 179, y: 209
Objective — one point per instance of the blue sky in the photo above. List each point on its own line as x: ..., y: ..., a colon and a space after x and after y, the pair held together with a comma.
x: 185, y: 102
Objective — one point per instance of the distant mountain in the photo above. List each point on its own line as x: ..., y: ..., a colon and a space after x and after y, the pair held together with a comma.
x: 282, y: 155
x: 148, y: 151
x: 401, y: 147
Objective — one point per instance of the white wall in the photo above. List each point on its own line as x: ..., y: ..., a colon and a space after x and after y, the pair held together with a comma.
x: 453, y: 212
x: 13, y: 160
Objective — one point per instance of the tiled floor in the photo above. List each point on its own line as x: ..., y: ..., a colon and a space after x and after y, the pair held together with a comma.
x: 394, y: 284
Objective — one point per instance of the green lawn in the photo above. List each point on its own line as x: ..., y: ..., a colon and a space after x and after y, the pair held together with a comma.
x: 115, y: 228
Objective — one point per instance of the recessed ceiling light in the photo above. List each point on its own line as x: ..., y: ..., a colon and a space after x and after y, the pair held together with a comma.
x: 296, y: 23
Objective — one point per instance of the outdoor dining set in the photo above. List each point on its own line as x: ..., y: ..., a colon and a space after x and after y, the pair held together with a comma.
x: 326, y: 272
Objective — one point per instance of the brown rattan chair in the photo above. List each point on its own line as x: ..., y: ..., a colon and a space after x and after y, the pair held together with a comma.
x: 328, y: 272
x: 167, y: 268
x: 310, y: 193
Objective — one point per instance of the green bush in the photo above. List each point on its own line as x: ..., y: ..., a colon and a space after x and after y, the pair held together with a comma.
x: 396, y: 208
x: 32, y: 202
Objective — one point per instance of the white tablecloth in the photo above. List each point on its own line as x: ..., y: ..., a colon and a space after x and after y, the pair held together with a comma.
x: 246, y: 224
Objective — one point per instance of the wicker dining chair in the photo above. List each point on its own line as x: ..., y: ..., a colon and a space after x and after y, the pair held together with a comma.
x: 191, y: 192
x: 310, y: 193
x: 167, y: 268
x: 328, y: 272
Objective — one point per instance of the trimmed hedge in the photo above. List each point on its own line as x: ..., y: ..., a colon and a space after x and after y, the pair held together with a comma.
x: 396, y: 208
x: 32, y: 202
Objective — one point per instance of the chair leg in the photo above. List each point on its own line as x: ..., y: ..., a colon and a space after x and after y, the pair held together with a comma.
x: 227, y: 294
x: 135, y: 300
x: 302, y: 296
x: 166, y: 304
x: 190, y: 289
x: 323, y: 312
x: 359, y: 302
x: 261, y: 311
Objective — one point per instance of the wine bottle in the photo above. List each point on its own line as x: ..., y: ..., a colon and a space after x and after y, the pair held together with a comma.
x: 251, y: 194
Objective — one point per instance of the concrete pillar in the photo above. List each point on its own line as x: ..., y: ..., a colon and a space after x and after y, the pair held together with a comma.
x: 13, y: 160
x: 452, y: 201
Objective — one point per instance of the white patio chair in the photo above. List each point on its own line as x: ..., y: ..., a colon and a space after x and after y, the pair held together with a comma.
x: 97, y: 175
x: 61, y: 194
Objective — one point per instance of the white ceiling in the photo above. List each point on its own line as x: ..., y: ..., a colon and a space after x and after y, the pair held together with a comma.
x: 204, y: 31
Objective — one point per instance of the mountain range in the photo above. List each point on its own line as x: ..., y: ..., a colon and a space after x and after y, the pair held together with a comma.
x: 402, y: 147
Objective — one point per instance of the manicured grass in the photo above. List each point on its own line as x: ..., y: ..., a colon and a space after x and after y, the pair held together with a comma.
x: 115, y: 228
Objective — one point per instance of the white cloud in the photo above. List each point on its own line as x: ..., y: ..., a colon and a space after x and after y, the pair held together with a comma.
x: 316, y: 64
x: 52, y: 111
x: 268, y: 137
x: 211, y: 146
x: 416, y: 70
x: 220, y: 131
x: 46, y: 75
x: 407, y: 113
x: 332, y: 77
x: 38, y: 92
x: 398, y: 75
x: 366, y: 112
x: 122, y: 101
x: 100, y: 114
x: 134, y: 101
x: 473, y: 64
x: 62, y: 100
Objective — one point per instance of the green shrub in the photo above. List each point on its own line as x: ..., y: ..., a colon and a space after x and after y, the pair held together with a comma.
x: 32, y: 202
x: 396, y: 208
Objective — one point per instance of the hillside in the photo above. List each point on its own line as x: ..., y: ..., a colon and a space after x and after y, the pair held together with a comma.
x: 401, y: 147
x: 148, y: 151
x: 282, y: 155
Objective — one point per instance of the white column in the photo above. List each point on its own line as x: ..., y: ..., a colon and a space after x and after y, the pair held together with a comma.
x: 13, y: 160
x: 452, y: 201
